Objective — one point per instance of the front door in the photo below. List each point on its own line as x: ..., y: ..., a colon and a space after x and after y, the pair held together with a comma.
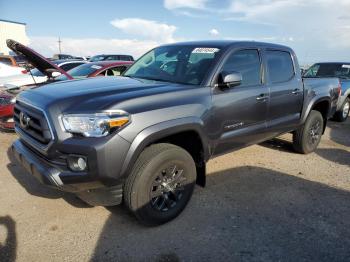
x: 239, y: 113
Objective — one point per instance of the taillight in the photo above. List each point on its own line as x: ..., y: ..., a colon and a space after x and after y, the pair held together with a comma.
x: 24, y: 71
x: 339, y: 89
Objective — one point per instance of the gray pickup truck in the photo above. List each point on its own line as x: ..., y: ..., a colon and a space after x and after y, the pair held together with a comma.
x: 341, y: 71
x: 144, y: 138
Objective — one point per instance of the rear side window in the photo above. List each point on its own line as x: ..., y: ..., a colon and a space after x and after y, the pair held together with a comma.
x: 329, y: 70
x: 280, y: 66
x: 246, y: 62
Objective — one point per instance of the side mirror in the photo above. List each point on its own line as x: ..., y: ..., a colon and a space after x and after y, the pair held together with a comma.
x: 55, y: 74
x: 230, y: 79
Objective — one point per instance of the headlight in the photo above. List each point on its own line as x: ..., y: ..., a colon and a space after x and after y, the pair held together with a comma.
x: 13, y: 100
x: 95, y: 125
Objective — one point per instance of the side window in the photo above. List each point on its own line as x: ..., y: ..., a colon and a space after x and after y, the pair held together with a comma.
x: 113, y: 57
x: 125, y: 58
x: 109, y: 72
x: 67, y: 67
x: 247, y: 62
x: 117, y: 71
x: 279, y: 66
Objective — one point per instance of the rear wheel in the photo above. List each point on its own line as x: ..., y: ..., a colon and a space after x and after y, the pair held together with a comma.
x: 343, y: 113
x: 160, y: 184
x: 307, y: 138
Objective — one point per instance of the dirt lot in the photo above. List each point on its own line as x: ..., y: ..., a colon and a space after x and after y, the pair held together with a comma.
x: 262, y: 203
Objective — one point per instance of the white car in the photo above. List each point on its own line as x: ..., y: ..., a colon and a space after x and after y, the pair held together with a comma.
x: 35, y: 76
x: 6, y: 70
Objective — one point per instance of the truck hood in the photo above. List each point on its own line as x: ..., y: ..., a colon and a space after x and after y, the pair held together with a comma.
x: 93, y: 94
x: 37, y: 60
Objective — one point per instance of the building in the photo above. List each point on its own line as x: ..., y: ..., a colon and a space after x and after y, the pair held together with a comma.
x: 12, y: 30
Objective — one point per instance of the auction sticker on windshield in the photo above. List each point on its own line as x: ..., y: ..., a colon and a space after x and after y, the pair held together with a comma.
x: 96, y: 67
x: 205, y: 50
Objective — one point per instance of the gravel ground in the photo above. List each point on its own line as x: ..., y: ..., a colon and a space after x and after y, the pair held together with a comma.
x: 262, y: 203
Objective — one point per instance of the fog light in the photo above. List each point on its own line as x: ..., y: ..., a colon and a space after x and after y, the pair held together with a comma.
x: 77, y: 163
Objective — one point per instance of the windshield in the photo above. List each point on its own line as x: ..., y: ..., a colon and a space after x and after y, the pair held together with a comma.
x: 178, y: 64
x: 329, y: 70
x: 81, y: 71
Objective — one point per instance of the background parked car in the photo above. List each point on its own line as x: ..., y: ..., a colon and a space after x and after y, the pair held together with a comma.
x: 6, y: 70
x: 36, y: 76
x: 45, y: 71
x: 12, y: 60
x: 62, y: 56
x: 342, y: 71
x: 111, y: 57
x: 102, y: 68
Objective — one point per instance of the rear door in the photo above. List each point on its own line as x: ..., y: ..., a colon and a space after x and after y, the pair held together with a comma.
x: 240, y: 112
x: 286, y: 91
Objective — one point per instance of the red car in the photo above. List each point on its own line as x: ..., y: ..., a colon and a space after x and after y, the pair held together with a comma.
x: 8, y: 94
x: 93, y: 69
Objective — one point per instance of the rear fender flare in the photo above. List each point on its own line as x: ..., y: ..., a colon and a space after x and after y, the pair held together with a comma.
x: 312, y: 104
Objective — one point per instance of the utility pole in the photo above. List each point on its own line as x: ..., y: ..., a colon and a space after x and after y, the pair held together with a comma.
x: 59, y: 44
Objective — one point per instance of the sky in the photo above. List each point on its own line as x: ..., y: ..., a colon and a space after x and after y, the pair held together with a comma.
x: 318, y: 30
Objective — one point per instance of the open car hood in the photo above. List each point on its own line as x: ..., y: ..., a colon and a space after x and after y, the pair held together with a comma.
x: 37, y: 60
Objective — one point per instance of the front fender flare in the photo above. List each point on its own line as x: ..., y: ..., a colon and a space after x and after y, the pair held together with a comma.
x: 153, y: 133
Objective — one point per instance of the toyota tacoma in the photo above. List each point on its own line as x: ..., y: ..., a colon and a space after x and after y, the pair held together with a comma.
x: 143, y: 139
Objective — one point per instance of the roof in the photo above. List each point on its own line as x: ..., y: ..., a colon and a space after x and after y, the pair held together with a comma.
x: 13, y: 22
x: 227, y: 43
x: 341, y: 63
x: 110, y: 55
x: 111, y: 63
x: 67, y: 61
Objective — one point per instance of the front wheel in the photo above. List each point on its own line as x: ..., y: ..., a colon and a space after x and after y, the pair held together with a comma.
x: 160, y: 184
x: 307, y: 138
x: 343, y: 113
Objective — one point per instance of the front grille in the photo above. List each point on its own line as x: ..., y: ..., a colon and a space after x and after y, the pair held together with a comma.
x: 4, y: 101
x: 36, y: 126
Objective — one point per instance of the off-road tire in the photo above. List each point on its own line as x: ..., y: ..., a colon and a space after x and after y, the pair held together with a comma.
x: 341, y: 115
x: 139, y: 185
x: 304, y: 141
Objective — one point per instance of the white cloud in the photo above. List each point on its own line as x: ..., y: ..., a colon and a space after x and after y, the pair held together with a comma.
x: 320, y: 22
x: 317, y: 29
x: 148, y: 29
x: 47, y: 46
x: 214, y: 32
x: 176, y: 4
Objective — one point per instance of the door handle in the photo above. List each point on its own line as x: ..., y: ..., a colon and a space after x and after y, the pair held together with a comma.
x: 296, y: 91
x: 262, y: 97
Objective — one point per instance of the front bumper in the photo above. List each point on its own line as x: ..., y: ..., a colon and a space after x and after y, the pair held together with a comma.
x: 90, y: 186
x: 7, y: 124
